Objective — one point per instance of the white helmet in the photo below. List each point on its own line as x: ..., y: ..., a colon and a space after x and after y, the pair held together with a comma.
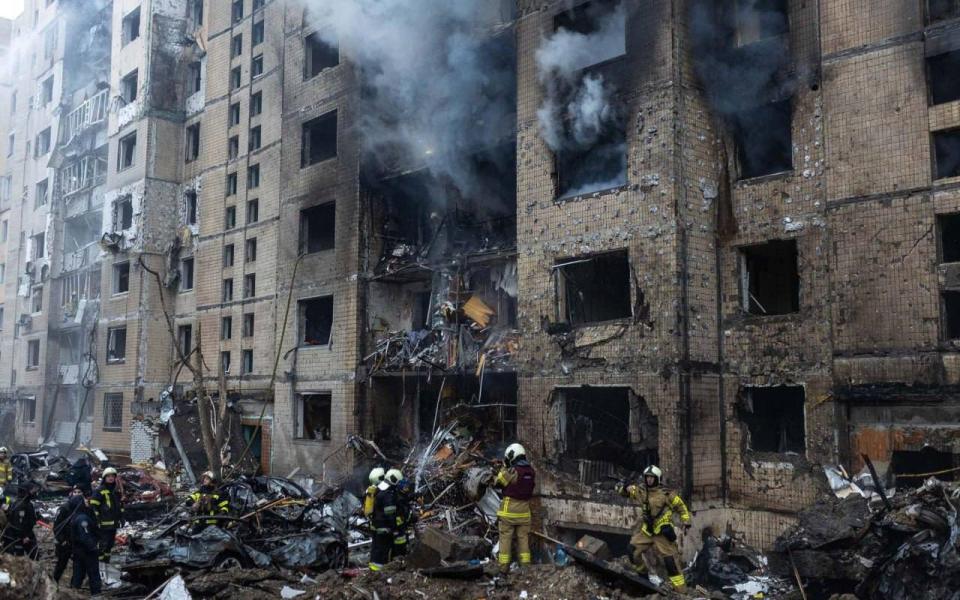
x: 376, y: 475
x: 513, y: 452
x: 393, y: 476
x: 209, y: 475
x: 652, y: 470
x: 4, y: 450
x: 108, y: 471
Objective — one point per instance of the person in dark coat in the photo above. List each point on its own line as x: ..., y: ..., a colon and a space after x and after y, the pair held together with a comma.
x: 108, y: 509
x: 85, y: 545
x: 18, y: 536
x: 63, y: 547
x: 80, y: 475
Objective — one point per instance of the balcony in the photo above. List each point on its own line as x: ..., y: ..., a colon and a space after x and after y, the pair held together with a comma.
x: 91, y: 112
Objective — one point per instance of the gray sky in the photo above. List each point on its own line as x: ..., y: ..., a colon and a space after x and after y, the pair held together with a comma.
x: 10, y: 8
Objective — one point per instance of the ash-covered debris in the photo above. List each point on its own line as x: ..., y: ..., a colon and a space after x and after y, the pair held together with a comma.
x: 857, y: 544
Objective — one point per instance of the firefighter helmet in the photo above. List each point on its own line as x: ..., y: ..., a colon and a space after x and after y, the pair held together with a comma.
x: 513, y: 452
x: 377, y: 475
x: 209, y: 475
x: 393, y: 476
x: 4, y: 450
x: 108, y: 471
x: 652, y: 471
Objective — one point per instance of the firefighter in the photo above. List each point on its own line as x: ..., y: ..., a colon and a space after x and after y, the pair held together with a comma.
x: 384, y: 519
x: 376, y: 476
x: 61, y: 532
x: 207, y: 501
x: 6, y: 467
x: 108, y: 510
x: 406, y: 516
x: 85, y: 545
x: 18, y: 537
x: 656, y: 523
x: 517, y: 478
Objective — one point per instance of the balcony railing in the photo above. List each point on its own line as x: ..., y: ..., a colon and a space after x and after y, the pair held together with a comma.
x: 91, y: 112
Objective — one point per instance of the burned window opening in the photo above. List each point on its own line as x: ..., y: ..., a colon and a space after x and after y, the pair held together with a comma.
x: 774, y: 417
x: 769, y: 278
x: 319, y: 139
x: 596, y: 168
x: 909, y: 468
x: 948, y: 227
x: 318, y: 55
x: 123, y: 213
x: 603, y: 430
x: 185, y: 339
x: 593, y: 289
x: 940, y: 10
x: 316, y: 320
x: 314, y: 416
x: 192, y: 143
x: 763, y: 138
x: 116, y: 344
x: 942, y: 79
x: 946, y: 151
x: 126, y: 151
x: 590, y: 18
x: 318, y: 228
x: 129, y: 87
x: 758, y: 20
x: 121, y: 278
x: 951, y: 314
x: 131, y: 26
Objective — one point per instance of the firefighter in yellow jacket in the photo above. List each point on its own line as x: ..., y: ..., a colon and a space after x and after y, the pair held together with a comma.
x: 6, y: 467
x: 656, y: 523
x: 517, y: 479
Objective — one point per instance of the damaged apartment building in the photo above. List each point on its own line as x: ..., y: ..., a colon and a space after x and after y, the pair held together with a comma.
x: 721, y: 236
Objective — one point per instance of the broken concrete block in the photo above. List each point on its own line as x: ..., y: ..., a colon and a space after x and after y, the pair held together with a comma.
x: 596, y: 548
x: 451, y: 547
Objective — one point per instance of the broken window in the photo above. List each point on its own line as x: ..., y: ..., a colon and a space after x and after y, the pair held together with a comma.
x: 121, y: 278
x: 225, y: 361
x: 764, y: 139
x: 231, y: 184
x: 131, y: 26
x: 256, y: 104
x: 593, y: 289
x: 195, y: 73
x: 939, y: 10
x: 246, y: 362
x: 129, y: 86
x: 235, y: 78
x: 36, y: 299
x: 906, y: 464
x: 257, y: 34
x: 236, y: 45
x: 228, y: 255
x: 592, y: 18
x: 33, y: 354
x: 256, y: 67
x: 126, y: 151
x: 318, y: 55
x: 42, y: 193
x: 233, y: 116
x: 774, y: 417
x: 190, y: 207
x: 314, y: 416
x: 46, y: 91
x: 948, y: 227
x: 43, y: 142
x: 317, y: 228
x: 116, y: 344
x: 946, y: 150
x: 196, y: 11
x: 185, y: 339
x: 30, y: 404
x: 236, y: 10
x: 253, y: 211
x: 233, y: 147
x: 122, y: 213
x: 186, y: 274
x: 598, y: 167
x: 942, y: 79
x: 227, y: 290
x: 950, y: 306
x: 39, y: 246
x: 226, y: 328
x: 250, y: 250
x: 254, y: 139
x: 258, y: 4
x: 603, y: 428
x: 248, y: 322
x: 249, y: 285
x: 113, y: 411
x: 192, y: 144
x: 319, y: 139
x: 253, y: 177
x: 756, y: 20
x: 316, y: 320
x: 769, y: 280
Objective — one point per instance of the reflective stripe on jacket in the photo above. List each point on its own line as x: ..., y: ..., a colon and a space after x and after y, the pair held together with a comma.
x: 6, y: 472
x: 210, y: 504
x: 658, y: 505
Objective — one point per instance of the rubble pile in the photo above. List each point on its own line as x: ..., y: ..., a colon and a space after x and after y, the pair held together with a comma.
x: 859, y: 544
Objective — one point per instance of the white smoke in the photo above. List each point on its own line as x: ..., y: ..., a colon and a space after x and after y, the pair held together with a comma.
x: 578, y: 111
x: 435, y: 87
